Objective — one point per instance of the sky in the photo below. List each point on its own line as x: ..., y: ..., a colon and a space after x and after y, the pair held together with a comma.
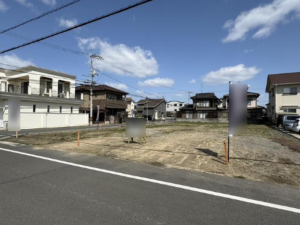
x: 165, y: 48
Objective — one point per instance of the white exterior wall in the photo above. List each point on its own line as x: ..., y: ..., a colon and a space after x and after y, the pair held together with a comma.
x: 27, y: 107
x: 130, y: 106
x: 42, y: 119
x: 45, y: 120
x: 283, y: 100
x: 253, y: 103
x: 171, y: 108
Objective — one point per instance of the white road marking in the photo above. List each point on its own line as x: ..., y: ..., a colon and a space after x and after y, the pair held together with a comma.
x: 203, y: 191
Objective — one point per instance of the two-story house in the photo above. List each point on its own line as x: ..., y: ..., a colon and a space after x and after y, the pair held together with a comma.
x: 151, y: 108
x: 205, y: 105
x: 111, y: 100
x: 174, y: 106
x: 131, y: 107
x: 47, y: 98
x: 284, y: 94
x: 255, y: 112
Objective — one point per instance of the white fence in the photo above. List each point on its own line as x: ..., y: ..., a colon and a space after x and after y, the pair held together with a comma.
x: 47, y: 120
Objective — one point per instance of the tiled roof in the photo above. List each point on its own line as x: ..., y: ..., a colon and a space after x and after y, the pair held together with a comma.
x: 248, y: 94
x: 205, y: 96
x: 128, y: 99
x: 102, y: 87
x: 152, y: 103
x: 283, y: 78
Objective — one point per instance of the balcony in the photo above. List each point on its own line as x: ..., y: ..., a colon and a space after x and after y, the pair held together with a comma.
x: 43, y: 87
x: 38, y: 92
x: 109, y: 104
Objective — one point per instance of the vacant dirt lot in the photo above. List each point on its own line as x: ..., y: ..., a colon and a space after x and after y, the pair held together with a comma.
x: 261, y: 154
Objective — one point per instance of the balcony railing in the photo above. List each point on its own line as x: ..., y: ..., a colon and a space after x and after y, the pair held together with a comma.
x: 39, y: 91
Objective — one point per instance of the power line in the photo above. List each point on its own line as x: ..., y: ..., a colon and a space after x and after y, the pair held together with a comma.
x: 57, y: 47
x: 40, y: 16
x: 79, y: 25
x: 123, y: 82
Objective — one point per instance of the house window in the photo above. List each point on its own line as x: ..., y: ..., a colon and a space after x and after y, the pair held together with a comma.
x: 290, y: 91
x: 60, y: 109
x: 201, y: 115
x: 24, y: 87
x: 180, y: 104
x: 10, y: 88
x: 60, y: 88
x: 175, y: 110
x: 249, y: 102
x: 34, y: 108
x: 49, y: 86
x: 290, y: 110
x: 168, y: 106
x: 203, y: 104
x: 48, y: 109
x: 71, y: 109
x: 175, y: 104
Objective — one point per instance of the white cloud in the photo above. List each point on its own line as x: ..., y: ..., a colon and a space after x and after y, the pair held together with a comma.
x: 67, y: 23
x: 192, y: 81
x: 14, y: 61
x: 157, y: 82
x: 264, y: 19
x: 3, y: 6
x: 248, y: 50
x: 119, y: 86
x: 25, y: 3
x: 238, y: 73
x: 121, y: 59
x: 49, y: 2
x: 142, y: 94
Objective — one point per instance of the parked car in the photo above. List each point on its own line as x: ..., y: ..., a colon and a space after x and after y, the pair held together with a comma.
x: 286, y: 121
x: 296, y: 126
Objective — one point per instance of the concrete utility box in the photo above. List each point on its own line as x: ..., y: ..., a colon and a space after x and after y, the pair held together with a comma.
x: 135, y: 127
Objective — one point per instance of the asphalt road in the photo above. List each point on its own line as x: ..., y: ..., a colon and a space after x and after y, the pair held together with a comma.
x: 39, y: 191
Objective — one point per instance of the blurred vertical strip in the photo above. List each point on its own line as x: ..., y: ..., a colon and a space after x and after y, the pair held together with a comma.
x: 237, y: 108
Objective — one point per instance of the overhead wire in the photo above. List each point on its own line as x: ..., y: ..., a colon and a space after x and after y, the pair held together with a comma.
x: 40, y: 16
x: 79, y: 25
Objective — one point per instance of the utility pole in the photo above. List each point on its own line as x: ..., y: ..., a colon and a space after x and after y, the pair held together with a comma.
x: 147, y: 107
x: 91, y: 85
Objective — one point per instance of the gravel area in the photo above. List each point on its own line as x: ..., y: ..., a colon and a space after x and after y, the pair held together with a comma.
x: 261, y: 153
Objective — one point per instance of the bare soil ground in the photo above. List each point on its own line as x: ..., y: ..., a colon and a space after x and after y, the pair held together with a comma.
x: 260, y: 154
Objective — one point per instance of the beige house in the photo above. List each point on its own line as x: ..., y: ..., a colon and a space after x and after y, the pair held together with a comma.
x: 47, y: 98
x: 251, y: 100
x: 284, y: 94
x: 131, y: 108
x: 255, y: 113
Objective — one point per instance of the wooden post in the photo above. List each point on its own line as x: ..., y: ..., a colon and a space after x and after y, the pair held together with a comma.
x: 17, y: 134
x: 226, y: 153
x: 78, y: 138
